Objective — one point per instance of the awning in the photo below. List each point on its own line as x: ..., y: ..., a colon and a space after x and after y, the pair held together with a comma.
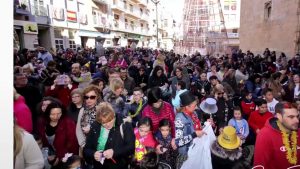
x: 94, y: 34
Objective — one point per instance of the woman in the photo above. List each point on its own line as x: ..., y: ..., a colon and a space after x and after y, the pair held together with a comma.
x: 22, y: 113
x: 179, y: 77
x: 27, y: 154
x: 202, y: 86
x: 292, y: 89
x: 76, y: 105
x: 111, y: 140
x: 141, y: 79
x: 276, y: 86
x: 57, y: 132
x: 158, y: 78
x: 87, y: 114
x: 157, y: 109
x: 61, y: 90
x: 187, y: 125
x: 100, y: 83
x: 115, y: 98
x: 160, y: 61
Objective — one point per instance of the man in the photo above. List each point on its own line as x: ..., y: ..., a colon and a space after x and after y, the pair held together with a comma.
x: 112, y: 74
x: 240, y: 74
x: 44, y: 55
x: 129, y: 83
x: 259, y: 117
x: 75, y: 72
x: 277, y: 144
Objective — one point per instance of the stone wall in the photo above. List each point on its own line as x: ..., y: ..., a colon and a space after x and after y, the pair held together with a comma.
x: 277, y: 33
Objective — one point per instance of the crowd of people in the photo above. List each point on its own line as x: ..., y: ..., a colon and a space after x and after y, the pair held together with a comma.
x: 147, y: 109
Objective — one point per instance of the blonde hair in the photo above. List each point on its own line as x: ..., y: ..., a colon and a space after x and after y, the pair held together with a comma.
x: 77, y: 91
x: 115, y: 84
x: 18, y: 142
x: 104, y: 113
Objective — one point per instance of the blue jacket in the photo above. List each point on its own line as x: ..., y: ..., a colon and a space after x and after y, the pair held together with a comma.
x: 184, y: 132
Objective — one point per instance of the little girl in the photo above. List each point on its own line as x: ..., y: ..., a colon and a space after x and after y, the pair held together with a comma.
x: 144, y: 140
x: 71, y: 161
x: 240, y: 124
x: 85, y: 77
x: 163, y: 136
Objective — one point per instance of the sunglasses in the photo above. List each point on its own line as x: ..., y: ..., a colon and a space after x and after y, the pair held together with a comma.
x: 89, y: 97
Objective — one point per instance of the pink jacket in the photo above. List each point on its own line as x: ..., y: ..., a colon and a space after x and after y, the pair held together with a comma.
x: 22, y: 114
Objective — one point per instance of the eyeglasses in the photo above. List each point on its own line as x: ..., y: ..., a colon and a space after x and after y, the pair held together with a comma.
x: 89, y: 97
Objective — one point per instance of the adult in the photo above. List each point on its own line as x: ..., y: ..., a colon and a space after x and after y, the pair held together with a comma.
x: 22, y: 113
x: 44, y: 55
x: 187, y: 125
x: 141, y: 79
x: 111, y: 140
x: 87, y: 114
x: 157, y: 109
x: 240, y: 74
x: 27, y: 154
x: 276, y: 144
x: 158, y: 78
x: 179, y: 77
x: 76, y: 104
x: 75, y: 72
x: 202, y: 86
x: 129, y: 83
x: 61, y: 89
x: 115, y: 96
x: 57, y: 132
x: 258, y: 118
x: 226, y: 151
x: 49, y: 74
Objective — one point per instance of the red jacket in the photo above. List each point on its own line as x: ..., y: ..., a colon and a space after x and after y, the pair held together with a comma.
x: 62, y: 93
x: 257, y: 120
x: 65, y: 137
x: 166, y: 112
x: 22, y: 114
x: 247, y: 107
x: 269, y: 149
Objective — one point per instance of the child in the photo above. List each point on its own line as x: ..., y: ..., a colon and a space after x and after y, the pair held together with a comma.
x: 240, y: 124
x: 137, y: 105
x: 271, y: 101
x: 247, y: 104
x: 71, y: 161
x: 144, y: 140
x: 85, y: 77
x: 163, y: 136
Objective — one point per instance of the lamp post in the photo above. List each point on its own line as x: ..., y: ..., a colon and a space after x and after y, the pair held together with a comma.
x: 156, y: 2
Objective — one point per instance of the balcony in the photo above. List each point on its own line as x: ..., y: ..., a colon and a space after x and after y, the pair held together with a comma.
x: 143, y: 3
x: 101, y: 2
x: 144, y: 17
x: 132, y: 13
x: 100, y: 21
x: 22, y: 8
x: 39, y: 10
x: 119, y: 7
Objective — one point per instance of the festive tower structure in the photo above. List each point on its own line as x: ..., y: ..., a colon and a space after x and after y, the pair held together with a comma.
x: 203, y: 28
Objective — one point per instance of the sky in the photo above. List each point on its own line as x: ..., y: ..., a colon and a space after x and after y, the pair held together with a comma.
x: 175, y: 7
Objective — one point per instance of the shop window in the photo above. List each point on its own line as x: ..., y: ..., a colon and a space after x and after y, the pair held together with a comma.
x: 59, y: 44
x: 72, y: 44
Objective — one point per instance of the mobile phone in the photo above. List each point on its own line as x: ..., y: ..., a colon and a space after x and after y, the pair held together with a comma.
x: 61, y: 79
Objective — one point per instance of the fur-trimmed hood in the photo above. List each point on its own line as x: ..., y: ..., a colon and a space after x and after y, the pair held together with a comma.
x: 222, y: 153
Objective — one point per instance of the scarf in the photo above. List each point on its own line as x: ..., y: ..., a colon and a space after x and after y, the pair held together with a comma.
x: 195, y: 119
x: 88, y: 117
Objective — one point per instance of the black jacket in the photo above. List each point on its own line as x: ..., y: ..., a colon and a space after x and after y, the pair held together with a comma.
x: 123, y: 147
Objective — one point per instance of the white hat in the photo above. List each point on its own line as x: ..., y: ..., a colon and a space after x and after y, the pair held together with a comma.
x: 209, y: 106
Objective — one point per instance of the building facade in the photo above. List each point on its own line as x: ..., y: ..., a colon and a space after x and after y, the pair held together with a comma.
x: 272, y: 24
x: 231, y: 12
x: 77, y: 23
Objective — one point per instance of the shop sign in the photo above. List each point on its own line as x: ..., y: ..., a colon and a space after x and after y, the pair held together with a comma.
x: 30, y: 28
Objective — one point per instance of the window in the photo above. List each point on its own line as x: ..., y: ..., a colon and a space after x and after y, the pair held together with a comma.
x: 59, y: 43
x: 165, y: 23
x: 72, y: 44
x: 234, y: 30
x: 71, y: 34
x: 268, y: 9
x: 57, y: 33
x: 131, y: 7
x: 108, y: 42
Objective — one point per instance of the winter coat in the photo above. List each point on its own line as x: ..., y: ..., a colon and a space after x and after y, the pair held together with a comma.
x: 123, y: 146
x: 22, y: 114
x: 117, y: 102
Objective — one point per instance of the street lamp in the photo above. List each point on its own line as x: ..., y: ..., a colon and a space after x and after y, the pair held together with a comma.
x: 156, y: 2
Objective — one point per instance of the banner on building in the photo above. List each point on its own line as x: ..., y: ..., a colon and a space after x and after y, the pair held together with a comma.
x: 30, y: 28
x: 83, y: 18
x: 71, y: 16
x: 58, y: 13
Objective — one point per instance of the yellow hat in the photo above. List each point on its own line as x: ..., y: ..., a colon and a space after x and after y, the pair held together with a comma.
x: 229, y: 139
